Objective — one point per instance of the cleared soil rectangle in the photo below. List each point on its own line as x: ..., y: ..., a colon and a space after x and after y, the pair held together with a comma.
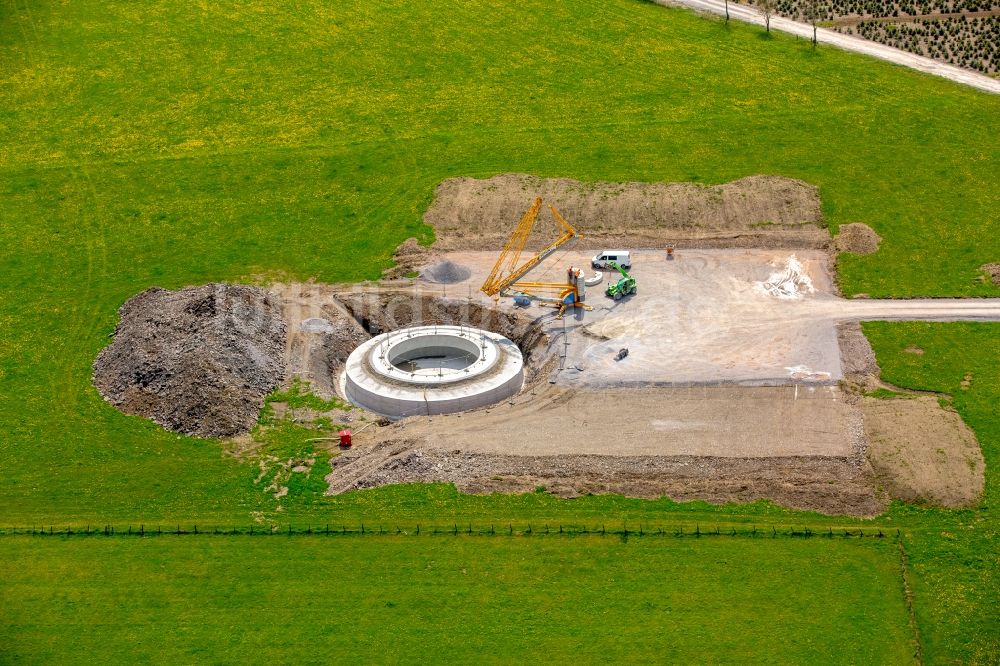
x: 736, y: 422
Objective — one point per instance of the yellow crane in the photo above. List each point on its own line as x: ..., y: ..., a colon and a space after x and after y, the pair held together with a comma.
x: 508, y: 269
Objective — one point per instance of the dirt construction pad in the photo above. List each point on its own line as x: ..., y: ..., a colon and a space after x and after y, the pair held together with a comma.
x: 732, y: 389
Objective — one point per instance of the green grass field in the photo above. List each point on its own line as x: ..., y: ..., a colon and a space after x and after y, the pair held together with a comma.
x: 172, y: 143
x: 427, y: 599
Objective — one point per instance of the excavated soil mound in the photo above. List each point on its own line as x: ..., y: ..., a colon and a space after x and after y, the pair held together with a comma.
x: 198, y: 361
x: 857, y: 238
x: 993, y: 271
x: 759, y: 211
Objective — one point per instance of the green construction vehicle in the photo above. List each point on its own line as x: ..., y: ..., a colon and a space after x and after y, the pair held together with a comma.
x: 624, y: 286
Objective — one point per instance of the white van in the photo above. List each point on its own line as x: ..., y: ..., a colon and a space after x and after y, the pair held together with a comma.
x: 620, y: 257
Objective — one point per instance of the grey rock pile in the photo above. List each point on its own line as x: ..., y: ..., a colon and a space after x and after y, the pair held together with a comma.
x: 446, y: 272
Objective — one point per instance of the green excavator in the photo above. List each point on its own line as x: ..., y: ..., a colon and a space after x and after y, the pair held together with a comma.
x: 625, y: 286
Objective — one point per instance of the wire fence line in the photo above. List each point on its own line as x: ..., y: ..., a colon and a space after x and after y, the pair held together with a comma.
x: 623, y: 531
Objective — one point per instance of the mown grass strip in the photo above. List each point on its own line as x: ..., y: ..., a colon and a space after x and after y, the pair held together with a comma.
x: 410, y: 600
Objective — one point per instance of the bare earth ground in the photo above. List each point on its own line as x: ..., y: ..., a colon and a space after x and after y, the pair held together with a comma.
x: 923, y: 453
x: 716, y: 421
x: 749, y: 378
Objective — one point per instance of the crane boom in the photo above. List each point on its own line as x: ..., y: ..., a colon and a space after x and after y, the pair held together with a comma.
x: 506, y: 271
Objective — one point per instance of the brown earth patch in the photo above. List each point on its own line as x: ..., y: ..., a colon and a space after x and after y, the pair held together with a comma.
x: 796, y: 448
x: 857, y: 238
x: 921, y: 452
x: 758, y: 211
x: 913, y: 349
x: 993, y: 272
x: 827, y: 485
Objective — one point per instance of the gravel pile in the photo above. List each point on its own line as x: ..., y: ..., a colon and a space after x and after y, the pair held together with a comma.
x: 446, y: 272
x: 199, y: 360
x: 857, y: 238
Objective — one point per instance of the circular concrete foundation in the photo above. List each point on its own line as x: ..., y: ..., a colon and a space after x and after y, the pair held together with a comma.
x: 428, y: 370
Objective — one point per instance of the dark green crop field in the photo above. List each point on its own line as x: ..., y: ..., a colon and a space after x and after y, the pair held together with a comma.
x: 171, y: 143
